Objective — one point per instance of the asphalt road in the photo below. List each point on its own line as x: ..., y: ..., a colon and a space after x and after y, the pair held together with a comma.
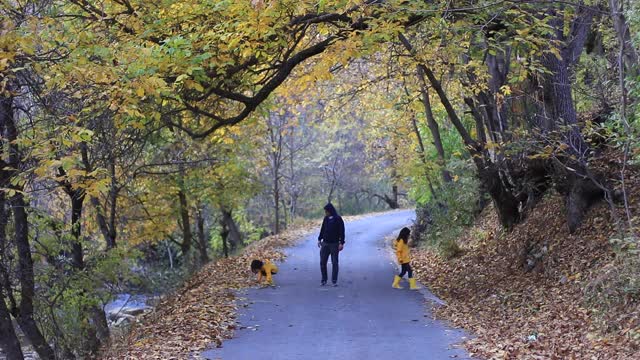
x: 362, y: 318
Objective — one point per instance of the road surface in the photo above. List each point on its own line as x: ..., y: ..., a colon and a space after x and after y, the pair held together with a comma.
x: 362, y: 318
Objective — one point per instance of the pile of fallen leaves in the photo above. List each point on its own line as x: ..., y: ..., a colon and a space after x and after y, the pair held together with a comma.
x: 521, y: 293
x: 203, y: 311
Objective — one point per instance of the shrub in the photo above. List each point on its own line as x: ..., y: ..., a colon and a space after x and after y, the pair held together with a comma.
x: 617, y: 288
x: 443, y: 219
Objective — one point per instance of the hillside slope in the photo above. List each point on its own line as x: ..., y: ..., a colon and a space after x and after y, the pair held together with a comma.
x: 538, y: 292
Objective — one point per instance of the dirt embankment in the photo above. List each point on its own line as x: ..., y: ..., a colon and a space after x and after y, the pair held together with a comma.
x: 538, y: 292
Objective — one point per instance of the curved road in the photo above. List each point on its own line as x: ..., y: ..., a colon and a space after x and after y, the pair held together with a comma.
x: 362, y: 318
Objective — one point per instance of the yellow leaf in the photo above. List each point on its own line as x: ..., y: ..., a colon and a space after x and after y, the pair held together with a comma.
x: 506, y: 89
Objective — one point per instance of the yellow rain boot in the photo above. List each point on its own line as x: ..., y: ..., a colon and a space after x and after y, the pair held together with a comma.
x: 396, y: 282
x: 412, y: 284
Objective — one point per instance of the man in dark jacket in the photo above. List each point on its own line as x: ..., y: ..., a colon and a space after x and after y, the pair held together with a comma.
x: 330, y: 242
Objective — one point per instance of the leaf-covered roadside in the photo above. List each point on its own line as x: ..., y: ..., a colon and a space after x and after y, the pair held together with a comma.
x: 202, y: 312
x: 552, y: 311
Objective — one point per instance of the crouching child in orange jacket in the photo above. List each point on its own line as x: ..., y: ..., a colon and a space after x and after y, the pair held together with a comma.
x: 264, y: 269
x: 404, y: 259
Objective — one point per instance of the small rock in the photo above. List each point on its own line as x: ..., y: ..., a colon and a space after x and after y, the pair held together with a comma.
x: 133, y: 311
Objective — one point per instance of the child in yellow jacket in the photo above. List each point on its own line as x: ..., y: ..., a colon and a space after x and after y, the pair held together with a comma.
x: 404, y: 259
x: 264, y: 269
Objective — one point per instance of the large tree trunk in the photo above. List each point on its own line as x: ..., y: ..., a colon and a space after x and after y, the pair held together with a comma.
x: 557, y: 82
x: 224, y: 234
x: 507, y: 205
x: 275, y: 156
x: 479, y: 120
x: 202, y: 238
x: 100, y: 324
x: 276, y: 201
x: 394, y: 191
x: 393, y: 200
x: 499, y: 65
x: 113, y: 204
x: 76, y: 196
x: 187, y: 236
x: 25, y: 312
x: 624, y: 36
x: 293, y: 206
x: 5, y: 259
x: 558, y: 94
x: 433, y: 125
x: 108, y: 234
x: 107, y: 228
x: 96, y: 328
x: 234, y: 236
x: 582, y: 194
x: 27, y: 283
x: 504, y: 200
x: 423, y: 155
x: 8, y: 339
x: 285, y: 219
x: 293, y: 191
x: 77, y: 200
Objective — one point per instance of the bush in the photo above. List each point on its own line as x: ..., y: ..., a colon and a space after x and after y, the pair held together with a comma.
x: 443, y: 218
x: 616, y: 289
x: 69, y: 303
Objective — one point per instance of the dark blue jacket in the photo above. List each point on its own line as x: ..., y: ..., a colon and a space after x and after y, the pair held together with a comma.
x: 332, y: 230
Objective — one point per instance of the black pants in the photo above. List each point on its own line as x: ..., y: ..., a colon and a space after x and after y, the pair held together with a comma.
x: 406, y: 268
x: 325, y: 251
